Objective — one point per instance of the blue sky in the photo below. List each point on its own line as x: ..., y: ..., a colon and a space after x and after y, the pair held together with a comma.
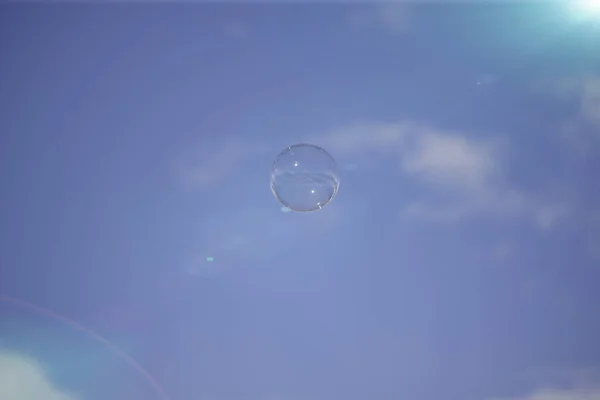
x: 459, y: 260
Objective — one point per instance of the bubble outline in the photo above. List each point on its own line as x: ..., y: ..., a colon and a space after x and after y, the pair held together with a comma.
x: 335, y: 176
x: 110, y: 346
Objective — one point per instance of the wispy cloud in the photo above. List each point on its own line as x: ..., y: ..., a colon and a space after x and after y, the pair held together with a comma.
x: 561, y: 394
x: 250, y: 231
x: 564, y: 384
x: 502, y: 251
x: 593, y: 235
x: 582, y: 129
x: 206, y: 164
x: 395, y: 17
x: 590, y: 99
x: 392, y: 17
x: 468, y: 172
x: 547, y: 215
x: 209, y: 164
x: 451, y: 160
x: 236, y: 30
x: 572, y: 391
x: 22, y: 378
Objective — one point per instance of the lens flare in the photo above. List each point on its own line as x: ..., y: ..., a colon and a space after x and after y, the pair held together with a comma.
x: 588, y: 7
x: 107, y: 344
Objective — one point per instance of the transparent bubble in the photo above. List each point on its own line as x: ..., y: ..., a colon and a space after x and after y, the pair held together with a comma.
x: 304, y: 178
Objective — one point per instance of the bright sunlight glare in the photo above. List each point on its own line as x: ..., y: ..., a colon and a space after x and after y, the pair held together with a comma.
x: 588, y: 6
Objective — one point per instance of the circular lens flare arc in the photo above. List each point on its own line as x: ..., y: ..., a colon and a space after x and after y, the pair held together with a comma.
x: 117, y: 351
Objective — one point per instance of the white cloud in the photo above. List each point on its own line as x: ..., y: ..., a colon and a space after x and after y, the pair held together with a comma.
x: 22, y: 378
x: 450, y: 160
x: 468, y: 173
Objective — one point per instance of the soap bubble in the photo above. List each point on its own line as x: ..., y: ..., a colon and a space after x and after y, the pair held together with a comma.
x: 304, y: 178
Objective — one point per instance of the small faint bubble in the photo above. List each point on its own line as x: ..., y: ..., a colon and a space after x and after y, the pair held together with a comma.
x: 486, y: 79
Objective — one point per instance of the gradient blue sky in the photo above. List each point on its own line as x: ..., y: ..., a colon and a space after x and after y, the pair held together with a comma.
x: 459, y: 261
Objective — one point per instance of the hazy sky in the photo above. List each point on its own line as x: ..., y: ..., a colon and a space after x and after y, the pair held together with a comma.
x: 460, y: 259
